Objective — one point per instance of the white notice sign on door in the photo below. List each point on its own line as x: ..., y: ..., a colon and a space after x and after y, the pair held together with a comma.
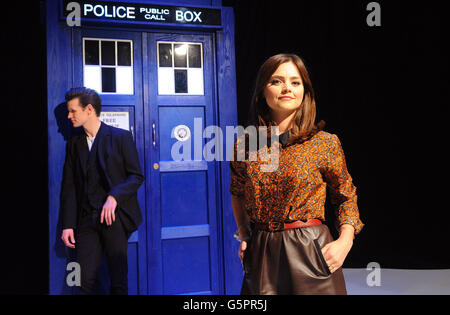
x: 116, y: 119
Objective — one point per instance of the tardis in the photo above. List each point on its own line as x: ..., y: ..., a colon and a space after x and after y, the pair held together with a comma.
x: 165, y: 71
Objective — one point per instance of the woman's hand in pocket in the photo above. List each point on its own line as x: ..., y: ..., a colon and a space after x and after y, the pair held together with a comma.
x: 244, y: 236
x: 242, y: 250
x: 335, y: 253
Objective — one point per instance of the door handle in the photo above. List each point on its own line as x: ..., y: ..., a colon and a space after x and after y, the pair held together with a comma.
x: 155, y: 165
x: 154, y: 135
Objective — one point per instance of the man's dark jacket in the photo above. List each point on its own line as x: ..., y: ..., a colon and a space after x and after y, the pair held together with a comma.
x: 119, y: 162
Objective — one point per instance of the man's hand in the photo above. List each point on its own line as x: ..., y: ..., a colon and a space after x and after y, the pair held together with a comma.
x: 108, y: 211
x: 68, y: 238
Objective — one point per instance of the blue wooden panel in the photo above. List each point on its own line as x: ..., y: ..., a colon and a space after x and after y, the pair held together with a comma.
x: 134, y: 237
x: 187, y: 2
x: 184, y: 198
x: 198, y: 293
x: 186, y: 265
x: 205, y: 3
x: 169, y: 166
x: 185, y: 231
x: 169, y: 118
x: 178, y: 2
x: 123, y: 100
x: 227, y: 99
x: 59, y: 80
x: 166, y: 100
x: 133, y: 269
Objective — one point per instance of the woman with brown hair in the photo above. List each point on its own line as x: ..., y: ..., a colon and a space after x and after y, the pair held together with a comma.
x: 285, y: 248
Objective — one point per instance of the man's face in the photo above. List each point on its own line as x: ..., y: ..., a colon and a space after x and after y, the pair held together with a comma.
x: 78, y: 114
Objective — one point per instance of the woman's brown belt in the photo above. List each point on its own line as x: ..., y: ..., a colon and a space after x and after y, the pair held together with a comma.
x: 280, y: 226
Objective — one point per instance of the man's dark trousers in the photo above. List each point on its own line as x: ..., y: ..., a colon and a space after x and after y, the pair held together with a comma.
x: 92, y: 239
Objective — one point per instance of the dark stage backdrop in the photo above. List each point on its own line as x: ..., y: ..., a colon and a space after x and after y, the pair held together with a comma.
x: 24, y: 192
x: 383, y: 91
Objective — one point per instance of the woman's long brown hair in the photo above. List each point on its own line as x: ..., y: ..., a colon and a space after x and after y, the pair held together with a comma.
x: 304, y: 126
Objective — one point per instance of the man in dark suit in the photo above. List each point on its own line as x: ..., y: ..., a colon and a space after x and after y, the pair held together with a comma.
x: 99, y: 206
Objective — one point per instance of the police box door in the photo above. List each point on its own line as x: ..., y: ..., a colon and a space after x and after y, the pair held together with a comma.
x: 183, y: 213
x: 111, y: 63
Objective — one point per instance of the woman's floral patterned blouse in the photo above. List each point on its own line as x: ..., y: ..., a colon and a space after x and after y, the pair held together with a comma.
x: 295, y: 189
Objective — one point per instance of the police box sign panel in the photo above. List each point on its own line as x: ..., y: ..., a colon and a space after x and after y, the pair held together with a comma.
x: 138, y: 12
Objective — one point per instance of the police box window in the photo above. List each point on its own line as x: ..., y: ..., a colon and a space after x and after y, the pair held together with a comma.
x: 108, y: 65
x: 180, y: 68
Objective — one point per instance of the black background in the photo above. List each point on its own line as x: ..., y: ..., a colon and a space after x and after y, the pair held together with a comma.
x: 383, y: 90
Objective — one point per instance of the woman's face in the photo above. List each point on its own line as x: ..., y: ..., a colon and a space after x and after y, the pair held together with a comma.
x: 284, y: 92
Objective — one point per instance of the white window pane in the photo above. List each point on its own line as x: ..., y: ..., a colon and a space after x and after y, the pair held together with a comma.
x: 92, y: 78
x: 166, y: 83
x: 124, y: 80
x: 195, y: 81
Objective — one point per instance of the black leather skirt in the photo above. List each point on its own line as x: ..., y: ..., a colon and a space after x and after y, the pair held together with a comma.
x: 290, y: 262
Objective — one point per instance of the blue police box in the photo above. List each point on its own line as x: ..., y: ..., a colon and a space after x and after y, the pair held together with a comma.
x: 165, y: 71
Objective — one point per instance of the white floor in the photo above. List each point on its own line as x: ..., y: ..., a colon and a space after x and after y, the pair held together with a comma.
x: 397, y: 281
